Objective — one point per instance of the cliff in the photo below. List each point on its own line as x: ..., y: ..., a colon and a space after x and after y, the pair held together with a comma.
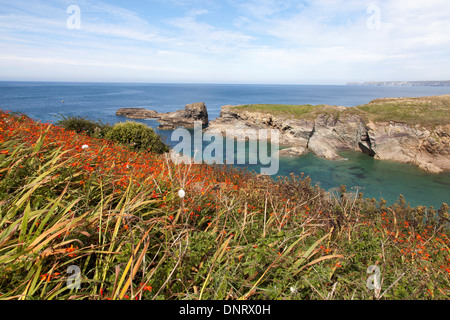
x: 418, y: 131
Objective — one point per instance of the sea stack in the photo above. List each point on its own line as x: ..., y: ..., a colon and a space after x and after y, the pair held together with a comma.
x: 171, y: 120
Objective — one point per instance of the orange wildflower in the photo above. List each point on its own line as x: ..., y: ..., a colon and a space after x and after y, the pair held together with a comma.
x: 71, y: 249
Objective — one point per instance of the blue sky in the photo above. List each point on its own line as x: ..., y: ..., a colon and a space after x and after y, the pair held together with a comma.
x: 226, y: 41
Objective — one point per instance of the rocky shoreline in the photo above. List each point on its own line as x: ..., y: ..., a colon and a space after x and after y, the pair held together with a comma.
x: 326, y: 135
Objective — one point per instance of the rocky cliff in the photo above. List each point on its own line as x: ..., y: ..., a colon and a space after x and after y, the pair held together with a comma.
x: 170, y: 120
x: 328, y: 133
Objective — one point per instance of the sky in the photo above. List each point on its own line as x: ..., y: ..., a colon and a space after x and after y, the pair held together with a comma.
x: 225, y: 41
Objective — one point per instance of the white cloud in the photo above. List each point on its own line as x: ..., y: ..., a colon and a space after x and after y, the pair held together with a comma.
x: 203, y: 38
x: 197, y: 12
x: 278, y: 41
x: 336, y: 32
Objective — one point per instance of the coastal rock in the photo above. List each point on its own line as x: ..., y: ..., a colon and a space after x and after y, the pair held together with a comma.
x: 235, y: 123
x: 394, y: 141
x: 293, y: 132
x: 293, y: 152
x: 170, y: 120
x: 333, y: 134
x: 185, y: 118
x: 319, y: 145
x: 429, y: 150
x: 328, y: 134
x: 137, y: 113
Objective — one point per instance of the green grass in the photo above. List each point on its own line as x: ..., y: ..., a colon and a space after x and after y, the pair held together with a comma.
x: 426, y: 111
x: 308, y: 111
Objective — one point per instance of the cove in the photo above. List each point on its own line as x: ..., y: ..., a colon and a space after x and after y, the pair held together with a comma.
x: 375, y: 178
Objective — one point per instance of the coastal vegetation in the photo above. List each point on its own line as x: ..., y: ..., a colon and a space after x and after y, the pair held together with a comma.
x: 426, y: 111
x: 137, y: 136
x: 134, y: 135
x: 96, y: 129
x: 71, y: 201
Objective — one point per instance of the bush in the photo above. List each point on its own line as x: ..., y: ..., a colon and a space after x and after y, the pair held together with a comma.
x: 137, y: 136
x: 96, y: 129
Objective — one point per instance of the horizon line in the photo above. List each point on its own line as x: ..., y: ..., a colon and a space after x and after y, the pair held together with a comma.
x: 172, y: 82
x: 212, y: 83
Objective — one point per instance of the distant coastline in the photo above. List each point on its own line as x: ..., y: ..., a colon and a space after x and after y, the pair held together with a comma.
x: 402, y: 83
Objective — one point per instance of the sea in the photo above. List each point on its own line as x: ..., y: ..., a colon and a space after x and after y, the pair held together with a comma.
x: 48, y: 101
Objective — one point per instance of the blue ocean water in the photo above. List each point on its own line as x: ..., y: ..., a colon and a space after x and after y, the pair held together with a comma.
x: 377, y: 179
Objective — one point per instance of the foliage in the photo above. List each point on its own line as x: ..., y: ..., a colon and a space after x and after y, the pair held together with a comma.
x: 137, y: 136
x: 96, y: 129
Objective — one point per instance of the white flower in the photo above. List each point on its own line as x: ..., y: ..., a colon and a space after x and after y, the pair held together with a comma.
x: 181, y: 193
x: 84, y: 147
x: 293, y: 289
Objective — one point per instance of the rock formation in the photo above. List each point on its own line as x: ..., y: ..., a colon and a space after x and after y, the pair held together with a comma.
x: 137, y: 113
x: 326, y: 135
x: 185, y: 118
x: 170, y: 120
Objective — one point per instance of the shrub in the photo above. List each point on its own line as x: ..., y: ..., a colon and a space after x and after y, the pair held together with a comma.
x: 137, y: 136
x: 96, y: 129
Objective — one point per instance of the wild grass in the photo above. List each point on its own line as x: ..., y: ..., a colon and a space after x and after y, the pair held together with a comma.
x: 426, y: 111
x: 116, y: 217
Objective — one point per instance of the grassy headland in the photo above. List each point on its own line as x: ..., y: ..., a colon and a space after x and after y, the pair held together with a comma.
x: 426, y: 111
x: 308, y: 112
x: 70, y: 200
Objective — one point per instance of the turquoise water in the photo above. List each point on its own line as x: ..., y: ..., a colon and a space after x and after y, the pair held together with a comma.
x: 377, y: 179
